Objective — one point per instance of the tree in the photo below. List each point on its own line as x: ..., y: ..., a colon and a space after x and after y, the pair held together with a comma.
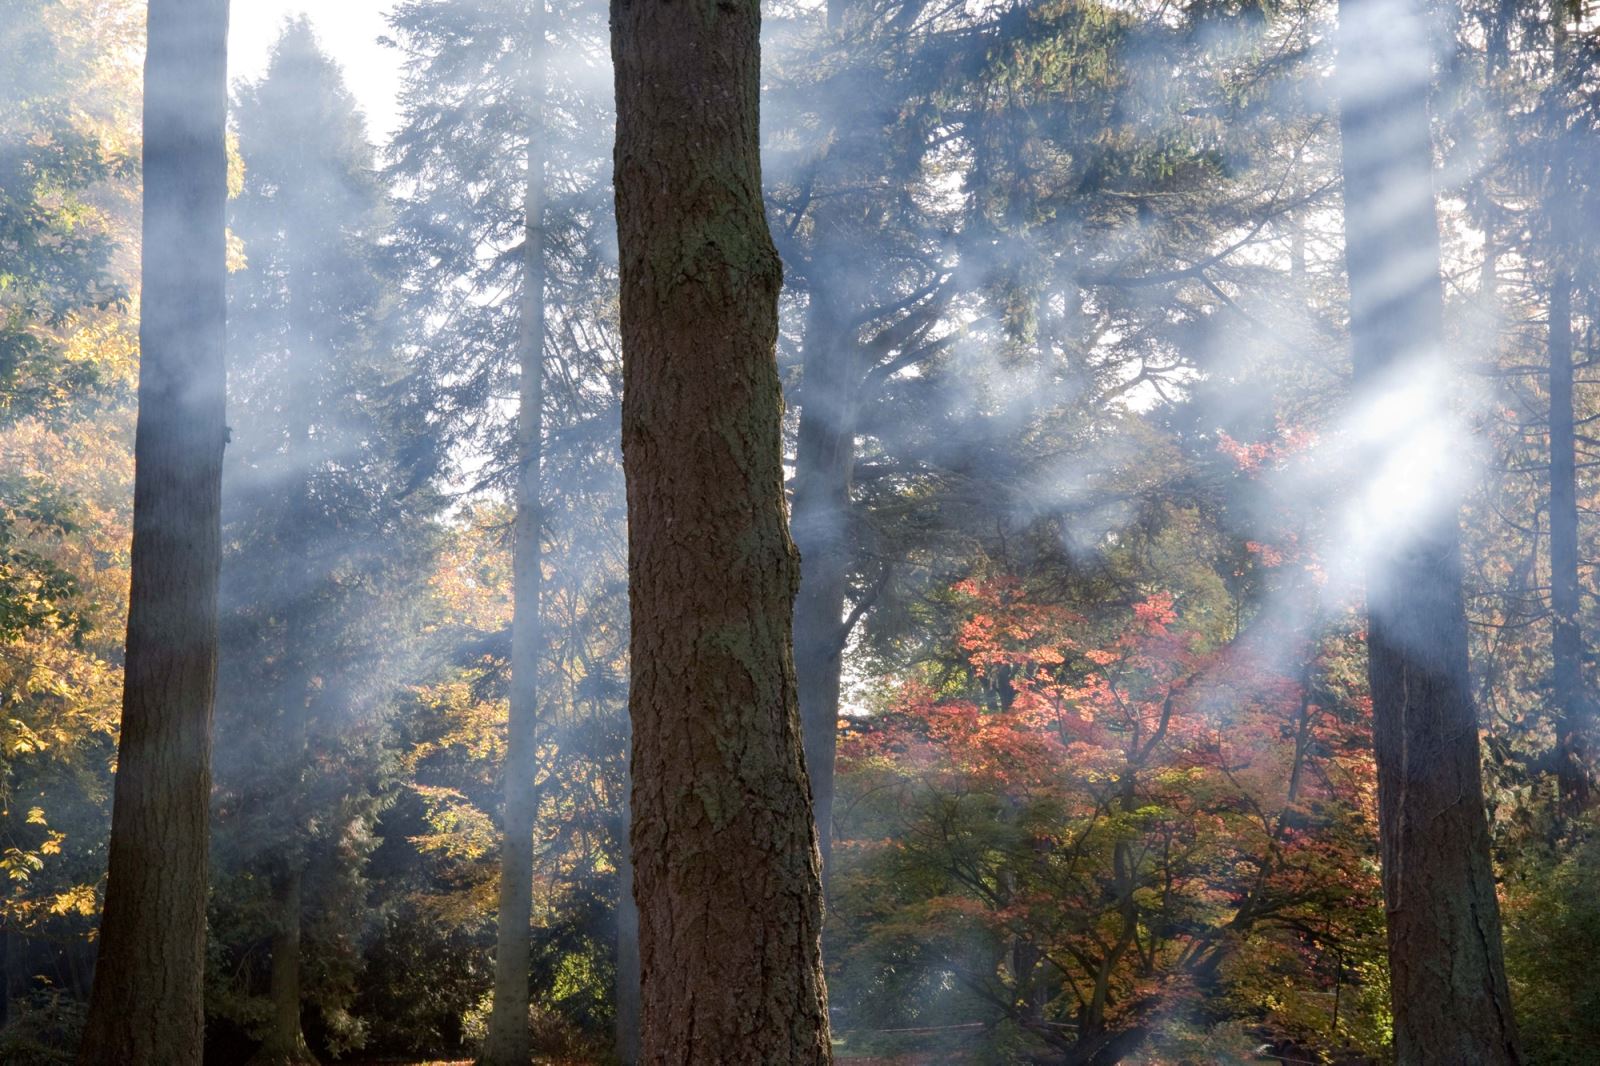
x: 468, y: 269
x: 507, y: 1042
x: 957, y: 226
x: 146, y: 1004
x: 724, y: 849
x: 1067, y: 826
x: 1447, y: 973
x: 326, y: 538
x: 1569, y: 697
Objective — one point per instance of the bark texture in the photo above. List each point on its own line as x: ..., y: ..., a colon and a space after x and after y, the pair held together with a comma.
x: 507, y: 1043
x: 145, y: 1009
x: 1447, y: 975
x: 724, y: 848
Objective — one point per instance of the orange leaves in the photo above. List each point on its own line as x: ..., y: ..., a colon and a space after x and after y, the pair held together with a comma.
x: 1116, y: 793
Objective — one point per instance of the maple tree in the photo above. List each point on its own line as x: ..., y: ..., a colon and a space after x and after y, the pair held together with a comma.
x: 1078, y: 833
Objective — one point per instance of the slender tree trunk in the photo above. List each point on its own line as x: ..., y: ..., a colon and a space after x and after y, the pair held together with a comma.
x: 627, y: 1036
x: 507, y: 1043
x: 145, y: 1009
x: 7, y: 981
x: 1567, y: 691
x: 286, y: 1043
x: 831, y: 377
x: 725, y: 853
x: 1447, y: 976
x: 1566, y: 636
x: 824, y: 467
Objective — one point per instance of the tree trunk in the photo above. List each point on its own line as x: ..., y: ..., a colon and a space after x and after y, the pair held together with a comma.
x: 832, y: 372
x: 7, y: 981
x: 1446, y: 971
x: 507, y: 1043
x: 725, y: 854
x: 286, y: 1043
x: 627, y: 1035
x: 1566, y: 635
x: 824, y: 466
x: 146, y: 1004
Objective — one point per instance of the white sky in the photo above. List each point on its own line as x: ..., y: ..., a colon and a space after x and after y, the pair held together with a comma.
x: 348, y: 30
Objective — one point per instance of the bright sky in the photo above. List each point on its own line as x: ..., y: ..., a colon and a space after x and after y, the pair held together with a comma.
x: 348, y: 30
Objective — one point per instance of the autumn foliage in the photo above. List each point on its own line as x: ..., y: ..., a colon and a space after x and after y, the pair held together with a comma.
x: 1108, y: 834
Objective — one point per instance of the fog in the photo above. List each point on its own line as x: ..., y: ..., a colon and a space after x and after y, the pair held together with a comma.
x: 1125, y: 387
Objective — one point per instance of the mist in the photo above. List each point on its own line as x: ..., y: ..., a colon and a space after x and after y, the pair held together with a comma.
x: 1185, y: 439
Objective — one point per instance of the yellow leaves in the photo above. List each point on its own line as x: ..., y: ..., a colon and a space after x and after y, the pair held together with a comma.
x: 109, y: 342
x: 236, y: 258
x: 19, y: 866
x: 470, y: 725
x: 80, y: 900
x: 17, y: 739
x: 473, y: 579
x: 36, y: 816
x: 461, y: 830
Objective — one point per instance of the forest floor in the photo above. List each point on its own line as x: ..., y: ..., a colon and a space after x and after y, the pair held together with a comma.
x: 839, y: 1057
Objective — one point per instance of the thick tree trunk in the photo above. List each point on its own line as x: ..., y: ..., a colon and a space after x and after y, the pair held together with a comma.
x: 725, y: 852
x: 1446, y: 972
x: 286, y: 1043
x: 145, y: 1009
x: 507, y: 1043
x: 1567, y: 689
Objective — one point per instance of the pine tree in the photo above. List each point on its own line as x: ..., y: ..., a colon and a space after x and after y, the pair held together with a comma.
x: 325, y: 538
x: 472, y: 264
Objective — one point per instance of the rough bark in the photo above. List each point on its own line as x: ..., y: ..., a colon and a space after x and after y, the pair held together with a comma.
x: 1567, y: 690
x: 146, y: 1004
x: 725, y: 853
x: 1447, y: 976
x: 507, y: 1043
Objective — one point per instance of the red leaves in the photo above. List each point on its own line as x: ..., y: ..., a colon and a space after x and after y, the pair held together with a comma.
x: 1092, y: 778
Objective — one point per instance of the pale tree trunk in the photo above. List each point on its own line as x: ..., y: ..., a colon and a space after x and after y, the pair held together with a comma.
x: 1567, y: 688
x: 507, y: 1042
x: 833, y: 368
x: 146, y: 1009
x: 1567, y: 635
x: 285, y: 1044
x: 824, y: 467
x: 627, y: 1035
x: 724, y: 849
x: 1447, y: 976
